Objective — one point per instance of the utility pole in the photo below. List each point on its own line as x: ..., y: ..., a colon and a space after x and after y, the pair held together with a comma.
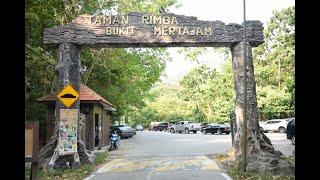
x: 244, y: 129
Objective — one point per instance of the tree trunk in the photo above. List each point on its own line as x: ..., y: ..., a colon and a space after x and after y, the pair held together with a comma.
x: 261, y: 156
x: 67, y: 70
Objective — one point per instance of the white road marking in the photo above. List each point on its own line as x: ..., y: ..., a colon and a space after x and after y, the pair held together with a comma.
x: 159, y: 164
x: 149, y: 175
x: 89, y: 177
x: 226, y: 176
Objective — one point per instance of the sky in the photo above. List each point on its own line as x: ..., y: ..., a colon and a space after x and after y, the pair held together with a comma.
x: 227, y: 11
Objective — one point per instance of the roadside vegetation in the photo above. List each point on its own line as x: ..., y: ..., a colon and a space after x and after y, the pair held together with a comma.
x: 207, y: 95
x: 123, y: 76
x: 236, y: 174
x: 72, y: 174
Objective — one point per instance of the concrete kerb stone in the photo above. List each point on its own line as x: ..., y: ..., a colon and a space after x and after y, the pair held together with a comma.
x: 103, y: 149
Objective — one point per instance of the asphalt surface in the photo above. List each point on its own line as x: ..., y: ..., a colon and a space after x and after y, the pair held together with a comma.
x: 281, y: 143
x: 158, y: 155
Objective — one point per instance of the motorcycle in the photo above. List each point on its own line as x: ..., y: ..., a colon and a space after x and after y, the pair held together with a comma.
x: 114, y: 141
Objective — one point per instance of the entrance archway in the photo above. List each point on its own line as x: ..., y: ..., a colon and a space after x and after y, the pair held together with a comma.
x: 165, y: 30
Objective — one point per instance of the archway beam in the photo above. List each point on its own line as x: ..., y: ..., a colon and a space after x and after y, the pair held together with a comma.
x: 149, y: 30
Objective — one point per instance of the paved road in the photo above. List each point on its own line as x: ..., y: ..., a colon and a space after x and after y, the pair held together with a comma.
x: 157, y: 143
x: 162, y: 155
x: 281, y: 143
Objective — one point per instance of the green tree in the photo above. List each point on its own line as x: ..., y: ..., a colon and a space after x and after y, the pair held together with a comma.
x: 275, y: 61
x: 123, y: 76
x: 211, y: 91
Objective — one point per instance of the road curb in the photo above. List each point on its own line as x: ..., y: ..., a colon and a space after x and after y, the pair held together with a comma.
x: 226, y: 176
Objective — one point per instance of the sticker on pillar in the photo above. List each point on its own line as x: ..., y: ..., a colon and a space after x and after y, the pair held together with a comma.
x: 68, y: 96
x: 67, y: 142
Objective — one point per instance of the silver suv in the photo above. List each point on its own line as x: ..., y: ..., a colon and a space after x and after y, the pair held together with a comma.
x: 278, y: 125
x: 187, y: 126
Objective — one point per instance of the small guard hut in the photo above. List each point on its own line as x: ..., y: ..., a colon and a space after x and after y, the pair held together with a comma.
x: 94, y: 122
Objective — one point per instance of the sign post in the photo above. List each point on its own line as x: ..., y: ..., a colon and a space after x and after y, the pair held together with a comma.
x: 68, y: 126
x: 68, y: 96
x: 31, y: 147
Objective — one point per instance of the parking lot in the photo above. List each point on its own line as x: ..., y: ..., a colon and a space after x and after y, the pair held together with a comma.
x: 165, y: 155
x: 159, y: 143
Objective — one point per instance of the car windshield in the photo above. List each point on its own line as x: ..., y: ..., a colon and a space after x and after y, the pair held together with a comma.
x: 214, y: 124
x: 123, y: 128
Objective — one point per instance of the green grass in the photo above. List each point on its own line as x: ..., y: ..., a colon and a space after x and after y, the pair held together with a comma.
x: 221, y: 157
x: 236, y: 174
x: 70, y: 174
x: 290, y: 159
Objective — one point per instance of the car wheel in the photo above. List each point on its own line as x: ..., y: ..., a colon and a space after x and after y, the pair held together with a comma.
x: 194, y: 132
x: 282, y: 130
x: 219, y: 132
x: 227, y: 133
x: 204, y: 132
x: 293, y: 140
x: 187, y: 130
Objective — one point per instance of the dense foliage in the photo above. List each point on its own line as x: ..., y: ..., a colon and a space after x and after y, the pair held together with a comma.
x: 206, y: 95
x: 123, y: 76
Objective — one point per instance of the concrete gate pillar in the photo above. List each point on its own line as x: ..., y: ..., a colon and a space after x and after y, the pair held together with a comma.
x: 238, y: 73
x: 67, y: 73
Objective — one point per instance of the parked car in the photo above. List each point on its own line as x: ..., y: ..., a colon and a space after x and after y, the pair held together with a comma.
x: 207, y: 125
x: 161, y: 126
x: 217, y: 128
x: 122, y: 131
x: 203, y: 125
x: 187, y: 126
x: 133, y: 131
x: 139, y: 127
x: 279, y: 125
x: 172, y: 127
x: 291, y: 131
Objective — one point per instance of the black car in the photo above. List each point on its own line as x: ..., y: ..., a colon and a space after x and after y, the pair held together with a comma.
x: 204, y: 125
x: 161, y: 127
x: 216, y: 128
x: 291, y: 131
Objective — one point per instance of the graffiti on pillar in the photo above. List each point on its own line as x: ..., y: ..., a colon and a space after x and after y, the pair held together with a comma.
x: 68, y: 131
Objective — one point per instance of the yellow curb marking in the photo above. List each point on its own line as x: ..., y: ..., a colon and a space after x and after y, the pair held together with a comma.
x: 125, y: 165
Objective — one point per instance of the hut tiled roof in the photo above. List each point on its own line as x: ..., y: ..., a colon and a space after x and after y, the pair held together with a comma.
x: 86, y: 94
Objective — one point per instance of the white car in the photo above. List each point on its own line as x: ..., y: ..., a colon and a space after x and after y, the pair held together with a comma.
x: 139, y: 127
x: 187, y: 126
x: 278, y: 125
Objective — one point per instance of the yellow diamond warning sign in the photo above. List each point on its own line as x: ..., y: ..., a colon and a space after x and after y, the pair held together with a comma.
x: 68, y: 96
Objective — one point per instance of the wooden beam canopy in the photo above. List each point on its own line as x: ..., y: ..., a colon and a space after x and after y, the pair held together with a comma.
x: 150, y: 30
